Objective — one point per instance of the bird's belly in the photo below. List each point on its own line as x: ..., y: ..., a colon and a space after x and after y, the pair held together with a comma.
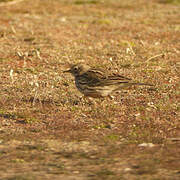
x: 94, y: 91
x: 104, y: 91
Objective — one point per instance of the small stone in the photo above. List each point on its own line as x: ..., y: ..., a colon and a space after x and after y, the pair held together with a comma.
x: 76, y: 172
x: 63, y: 19
x: 127, y: 169
x: 146, y: 145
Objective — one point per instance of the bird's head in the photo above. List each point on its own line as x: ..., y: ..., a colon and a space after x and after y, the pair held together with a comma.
x: 78, y: 69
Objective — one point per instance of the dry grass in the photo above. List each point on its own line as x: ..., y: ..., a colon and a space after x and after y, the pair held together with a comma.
x: 48, y: 131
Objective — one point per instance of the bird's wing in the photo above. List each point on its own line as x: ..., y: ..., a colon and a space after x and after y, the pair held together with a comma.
x: 95, y: 77
x: 92, y: 77
x: 96, y: 73
x: 118, y: 77
x: 115, y: 79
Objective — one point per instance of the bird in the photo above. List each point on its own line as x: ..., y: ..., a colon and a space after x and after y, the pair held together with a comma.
x: 96, y: 83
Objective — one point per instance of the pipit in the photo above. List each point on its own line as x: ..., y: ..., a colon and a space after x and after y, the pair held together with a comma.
x: 95, y: 83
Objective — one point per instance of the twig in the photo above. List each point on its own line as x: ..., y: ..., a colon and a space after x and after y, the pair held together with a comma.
x: 158, y: 55
x: 10, y: 3
x: 131, y: 49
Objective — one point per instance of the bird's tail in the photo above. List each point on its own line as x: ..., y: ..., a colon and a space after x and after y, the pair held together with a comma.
x: 145, y: 84
x: 128, y: 84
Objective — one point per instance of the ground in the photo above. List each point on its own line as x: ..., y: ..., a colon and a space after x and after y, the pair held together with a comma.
x: 48, y: 130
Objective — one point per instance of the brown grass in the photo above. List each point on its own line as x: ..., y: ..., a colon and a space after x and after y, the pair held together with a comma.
x: 47, y: 130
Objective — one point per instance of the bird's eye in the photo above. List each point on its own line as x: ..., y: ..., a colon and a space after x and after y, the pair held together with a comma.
x: 75, y: 69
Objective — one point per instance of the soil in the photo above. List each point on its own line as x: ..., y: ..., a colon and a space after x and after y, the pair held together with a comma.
x: 48, y: 130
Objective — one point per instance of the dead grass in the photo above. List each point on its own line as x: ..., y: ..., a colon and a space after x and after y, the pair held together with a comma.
x: 48, y: 131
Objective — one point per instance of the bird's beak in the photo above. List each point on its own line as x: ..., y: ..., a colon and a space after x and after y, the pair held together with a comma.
x: 67, y: 71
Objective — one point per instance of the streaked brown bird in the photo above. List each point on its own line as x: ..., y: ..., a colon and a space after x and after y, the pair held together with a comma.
x: 96, y: 83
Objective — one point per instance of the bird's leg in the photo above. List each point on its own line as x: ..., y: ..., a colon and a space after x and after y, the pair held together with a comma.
x: 110, y: 97
x: 87, y: 100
